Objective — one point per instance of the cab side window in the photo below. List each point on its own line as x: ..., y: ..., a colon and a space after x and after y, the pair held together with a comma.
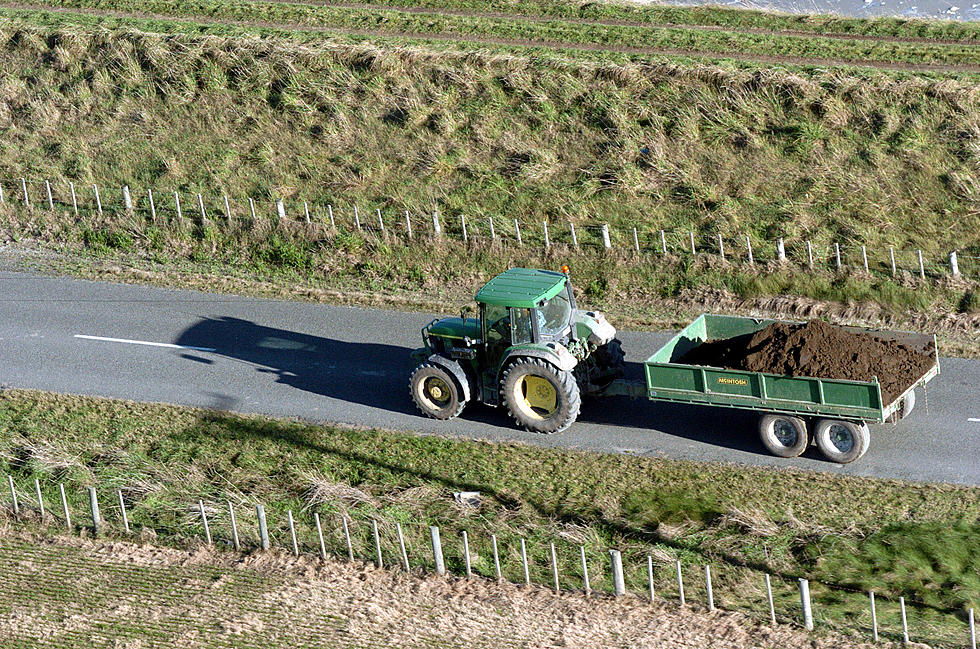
x: 521, y: 319
x: 497, y: 321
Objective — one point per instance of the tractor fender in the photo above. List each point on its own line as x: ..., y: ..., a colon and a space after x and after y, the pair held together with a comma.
x: 557, y: 355
x: 455, y: 369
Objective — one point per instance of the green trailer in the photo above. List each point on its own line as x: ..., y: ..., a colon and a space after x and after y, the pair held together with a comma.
x: 834, y: 414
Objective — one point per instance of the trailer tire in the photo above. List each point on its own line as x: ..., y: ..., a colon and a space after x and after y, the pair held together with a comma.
x: 842, y: 441
x: 782, y: 435
x: 436, y: 392
x: 908, y: 404
x: 540, y: 397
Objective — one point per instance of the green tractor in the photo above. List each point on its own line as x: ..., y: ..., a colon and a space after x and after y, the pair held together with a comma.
x: 530, y: 350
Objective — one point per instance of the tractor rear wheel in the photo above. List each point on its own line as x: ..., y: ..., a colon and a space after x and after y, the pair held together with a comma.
x: 436, y: 392
x: 540, y: 397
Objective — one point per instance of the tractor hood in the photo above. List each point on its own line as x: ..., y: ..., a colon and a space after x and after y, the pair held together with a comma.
x: 592, y: 326
x: 456, y: 328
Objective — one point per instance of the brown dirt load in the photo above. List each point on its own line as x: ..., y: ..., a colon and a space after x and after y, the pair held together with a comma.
x: 819, y: 349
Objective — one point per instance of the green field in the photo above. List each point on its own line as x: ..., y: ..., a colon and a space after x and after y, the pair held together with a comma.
x: 847, y: 535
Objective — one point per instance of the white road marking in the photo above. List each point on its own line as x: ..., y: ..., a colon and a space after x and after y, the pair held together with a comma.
x: 977, y: 419
x: 144, y: 342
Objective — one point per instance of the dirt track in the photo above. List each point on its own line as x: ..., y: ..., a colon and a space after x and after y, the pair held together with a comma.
x: 514, y: 42
x: 123, y: 594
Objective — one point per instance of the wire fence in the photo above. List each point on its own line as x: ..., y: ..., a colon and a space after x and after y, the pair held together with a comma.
x: 416, y: 547
x: 172, y: 208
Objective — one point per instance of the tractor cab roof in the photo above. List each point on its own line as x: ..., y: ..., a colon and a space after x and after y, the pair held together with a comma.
x: 521, y: 287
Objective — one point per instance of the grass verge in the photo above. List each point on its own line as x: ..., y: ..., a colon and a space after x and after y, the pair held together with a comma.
x: 847, y: 535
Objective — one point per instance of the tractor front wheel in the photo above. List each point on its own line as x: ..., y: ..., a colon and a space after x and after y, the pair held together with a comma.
x: 435, y: 392
x: 540, y: 397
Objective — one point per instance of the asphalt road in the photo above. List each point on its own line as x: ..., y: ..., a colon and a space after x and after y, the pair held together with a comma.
x: 350, y: 365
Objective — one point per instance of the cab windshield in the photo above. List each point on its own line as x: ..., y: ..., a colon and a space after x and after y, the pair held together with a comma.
x: 554, y: 315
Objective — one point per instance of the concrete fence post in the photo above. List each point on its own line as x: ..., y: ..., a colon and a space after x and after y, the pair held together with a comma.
x: 401, y: 547
x: 306, y: 213
x: 23, y: 186
x: 585, y: 572
x: 708, y: 588
x: 721, y: 247
x: 200, y: 204
x: 680, y: 583
x: 180, y: 215
x: 874, y: 616
x: 466, y: 555
x: 837, y: 255
x: 350, y: 546
x: 64, y: 506
x: 780, y: 250
x: 527, y: 570
x: 153, y: 207
x: 650, y: 578
x: 122, y: 510
x: 1, y: 193
x: 251, y: 208
x: 772, y: 607
x: 748, y: 248
x: 408, y: 225
x: 547, y: 239
x: 280, y: 209
x: 922, y: 268
x: 973, y: 631
x: 437, y: 550
x: 954, y: 266
x: 605, y: 237
x: 333, y: 225
x: 805, y: 604
x: 234, y: 527
x: 13, y: 497
x: 381, y: 221
x: 636, y: 241
x: 864, y: 258
x: 517, y: 233
x: 619, y: 584
x: 319, y: 535
x: 493, y: 232
x: 40, y: 499
x: 462, y: 222
x: 809, y: 254
x: 435, y: 224
x: 891, y: 254
x: 127, y: 199
x: 93, y: 501
x: 204, y: 521
x: 691, y: 235
x: 228, y: 209
x: 905, y: 622
x: 554, y: 568
x: 263, y: 528
x: 663, y: 242
x: 496, y: 558
x: 357, y: 218
x: 379, y: 561
x: 292, y: 532
x: 98, y: 199
x: 74, y: 199
x: 47, y: 186
x: 571, y: 228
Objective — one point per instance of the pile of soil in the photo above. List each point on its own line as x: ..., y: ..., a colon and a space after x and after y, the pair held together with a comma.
x: 819, y: 349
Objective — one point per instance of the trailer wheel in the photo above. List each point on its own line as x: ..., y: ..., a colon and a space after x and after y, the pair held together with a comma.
x: 435, y: 392
x: 782, y: 435
x: 842, y: 441
x: 908, y: 403
x: 540, y: 397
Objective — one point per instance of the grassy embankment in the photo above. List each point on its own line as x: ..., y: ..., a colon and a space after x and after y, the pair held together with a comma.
x: 827, y: 157
x: 847, y: 535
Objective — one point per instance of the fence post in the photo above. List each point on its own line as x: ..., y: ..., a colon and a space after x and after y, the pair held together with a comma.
x: 905, y: 623
x: 496, y: 558
x: 891, y: 253
x: 605, y: 237
x: 306, y: 212
x: 74, y: 200
x: 680, y: 583
x: 263, y: 528
x: 437, y: 550
x: 98, y: 199
x: 527, y: 571
x: 23, y: 185
x: 554, y: 568
x: 127, y: 199
x: 1, y: 193
x: 64, y: 506
x: 251, y: 208
x: 663, y: 242
x: 837, y: 254
x: 922, y: 268
x: 721, y: 247
x: 547, y: 240
x: 13, y: 496
x: 954, y: 267
x: 805, y: 603
x: 47, y: 186
x: 585, y: 572
x: 517, y: 232
x: 809, y: 253
x: 357, y: 218
x: 281, y: 209
x: 493, y: 233
x: 228, y: 209
x: 636, y: 241
x: 748, y: 246
x: 780, y: 250
x: 350, y: 547
x: 377, y: 544
x: 707, y: 585
x: 333, y: 226
x: 93, y: 501
x: 466, y: 555
x: 401, y: 547
x: 319, y: 535
x: 153, y: 207
x: 571, y: 228
x: 874, y: 616
x: 772, y: 607
x: 381, y: 223
x: 435, y: 224
x: 691, y: 235
x: 180, y: 215
x: 204, y: 520
x: 234, y: 527
x: 408, y: 225
x: 40, y: 500
x: 973, y: 631
x: 122, y: 508
x: 292, y: 532
x: 650, y: 577
x: 462, y: 221
x: 864, y: 258
x: 619, y: 586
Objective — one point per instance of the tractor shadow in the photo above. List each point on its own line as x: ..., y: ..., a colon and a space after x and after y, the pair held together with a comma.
x: 371, y: 374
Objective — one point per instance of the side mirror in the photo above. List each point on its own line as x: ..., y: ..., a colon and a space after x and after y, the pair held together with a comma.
x: 465, y: 311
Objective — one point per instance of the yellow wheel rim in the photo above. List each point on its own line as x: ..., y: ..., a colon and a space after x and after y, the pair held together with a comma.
x: 537, y: 397
x: 436, y: 392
